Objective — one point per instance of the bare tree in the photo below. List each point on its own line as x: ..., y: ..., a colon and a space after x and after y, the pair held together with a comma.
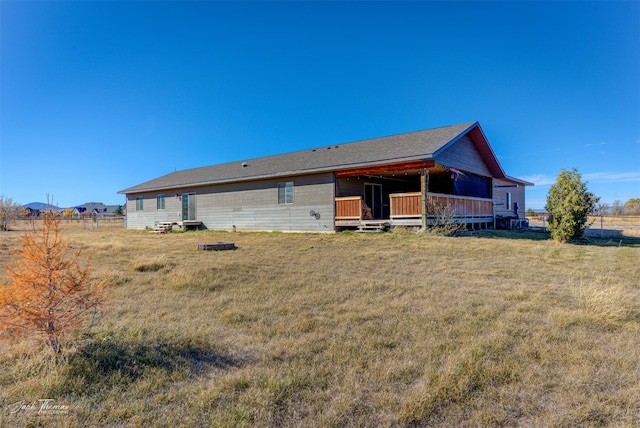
x: 616, y: 208
x: 8, y: 212
x: 601, y: 209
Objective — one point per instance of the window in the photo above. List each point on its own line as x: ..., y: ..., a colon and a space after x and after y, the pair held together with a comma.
x: 285, y: 193
x: 139, y: 205
x: 509, y: 201
x: 160, y: 202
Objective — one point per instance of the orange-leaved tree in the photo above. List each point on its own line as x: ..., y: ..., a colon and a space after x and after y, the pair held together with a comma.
x: 45, y: 289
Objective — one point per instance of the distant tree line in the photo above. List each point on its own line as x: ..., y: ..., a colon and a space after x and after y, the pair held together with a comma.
x: 11, y: 211
x: 631, y: 207
x: 616, y: 209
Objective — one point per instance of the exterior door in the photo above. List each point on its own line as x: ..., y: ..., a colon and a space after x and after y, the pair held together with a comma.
x: 373, y: 198
x: 188, y: 206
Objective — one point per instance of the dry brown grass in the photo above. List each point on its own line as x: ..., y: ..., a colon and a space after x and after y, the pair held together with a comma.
x: 610, y: 227
x: 393, y: 329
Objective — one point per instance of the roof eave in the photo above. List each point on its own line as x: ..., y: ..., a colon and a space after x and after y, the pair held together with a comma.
x: 518, y: 181
x: 455, y: 140
x: 291, y: 173
x: 482, y: 144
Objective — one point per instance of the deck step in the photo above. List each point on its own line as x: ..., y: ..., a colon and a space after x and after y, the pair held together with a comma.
x: 374, y: 226
x: 163, y: 227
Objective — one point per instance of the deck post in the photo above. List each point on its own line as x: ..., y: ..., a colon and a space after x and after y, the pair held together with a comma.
x: 423, y: 192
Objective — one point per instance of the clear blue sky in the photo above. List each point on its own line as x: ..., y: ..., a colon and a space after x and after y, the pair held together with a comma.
x: 99, y: 96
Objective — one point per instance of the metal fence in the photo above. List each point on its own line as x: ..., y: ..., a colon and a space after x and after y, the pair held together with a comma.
x: 110, y: 222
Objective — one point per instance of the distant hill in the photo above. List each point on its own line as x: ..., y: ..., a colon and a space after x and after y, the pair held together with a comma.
x: 93, y: 207
x: 40, y: 206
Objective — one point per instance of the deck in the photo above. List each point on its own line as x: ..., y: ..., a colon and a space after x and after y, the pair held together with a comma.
x: 167, y: 226
x: 406, y: 210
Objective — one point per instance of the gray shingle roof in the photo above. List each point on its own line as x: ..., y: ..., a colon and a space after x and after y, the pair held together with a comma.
x: 396, y: 148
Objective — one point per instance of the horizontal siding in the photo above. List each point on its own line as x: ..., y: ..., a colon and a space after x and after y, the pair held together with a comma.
x: 500, y: 198
x: 248, y: 206
x: 150, y: 214
x: 463, y: 155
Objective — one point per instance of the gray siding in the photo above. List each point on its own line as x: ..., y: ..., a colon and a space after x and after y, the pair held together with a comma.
x: 150, y: 214
x: 464, y: 156
x: 500, y: 206
x: 251, y: 205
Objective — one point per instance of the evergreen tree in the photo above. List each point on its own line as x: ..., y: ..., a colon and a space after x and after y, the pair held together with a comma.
x: 569, y: 204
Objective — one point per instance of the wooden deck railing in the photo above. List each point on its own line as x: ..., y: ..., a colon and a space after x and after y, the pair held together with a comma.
x: 409, y: 205
x: 405, y: 205
x: 349, y: 208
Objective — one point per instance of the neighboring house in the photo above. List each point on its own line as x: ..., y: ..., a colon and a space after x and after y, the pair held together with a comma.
x: 35, y: 209
x: 111, y: 210
x: 29, y: 212
x: 371, y: 182
x: 76, y: 212
x: 95, y: 209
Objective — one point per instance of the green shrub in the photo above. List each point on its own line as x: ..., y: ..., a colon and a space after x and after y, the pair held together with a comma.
x: 569, y: 204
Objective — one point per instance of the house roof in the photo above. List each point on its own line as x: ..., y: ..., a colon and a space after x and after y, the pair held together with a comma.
x: 420, y: 145
x: 92, y: 206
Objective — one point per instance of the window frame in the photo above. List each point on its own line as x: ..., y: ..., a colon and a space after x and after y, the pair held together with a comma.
x: 140, y: 203
x: 160, y: 202
x: 286, y: 193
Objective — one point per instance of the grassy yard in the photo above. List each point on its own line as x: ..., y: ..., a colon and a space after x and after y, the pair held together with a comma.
x: 396, y: 329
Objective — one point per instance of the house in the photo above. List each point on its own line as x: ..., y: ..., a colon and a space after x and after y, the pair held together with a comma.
x: 35, y: 209
x: 29, y: 212
x: 95, y: 209
x: 382, y: 181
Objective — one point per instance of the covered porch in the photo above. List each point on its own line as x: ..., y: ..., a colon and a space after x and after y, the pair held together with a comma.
x: 406, y: 210
x: 416, y: 194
